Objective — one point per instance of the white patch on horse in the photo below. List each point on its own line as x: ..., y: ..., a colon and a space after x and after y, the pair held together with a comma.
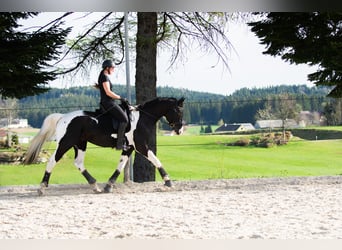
x: 64, y: 122
x: 129, y: 134
x: 134, y: 121
x: 79, y: 161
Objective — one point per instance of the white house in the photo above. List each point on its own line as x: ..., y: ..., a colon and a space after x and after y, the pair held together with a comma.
x: 18, y: 123
x: 263, y: 124
x: 235, y: 127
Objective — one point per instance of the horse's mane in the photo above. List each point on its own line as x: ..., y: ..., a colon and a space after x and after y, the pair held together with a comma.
x: 155, y: 101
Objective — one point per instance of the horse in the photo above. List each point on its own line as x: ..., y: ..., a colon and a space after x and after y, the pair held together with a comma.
x: 75, y: 129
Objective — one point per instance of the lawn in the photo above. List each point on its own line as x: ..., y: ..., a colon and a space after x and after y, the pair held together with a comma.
x: 195, y: 157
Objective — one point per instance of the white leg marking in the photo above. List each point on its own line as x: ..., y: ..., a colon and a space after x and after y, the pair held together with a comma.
x: 153, y: 158
x: 51, y: 163
x: 79, y: 161
x: 122, y: 163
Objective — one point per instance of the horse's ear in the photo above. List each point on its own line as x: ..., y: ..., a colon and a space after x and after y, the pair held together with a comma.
x: 180, y: 102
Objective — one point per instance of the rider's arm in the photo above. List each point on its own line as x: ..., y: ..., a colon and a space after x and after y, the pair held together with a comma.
x: 109, y: 92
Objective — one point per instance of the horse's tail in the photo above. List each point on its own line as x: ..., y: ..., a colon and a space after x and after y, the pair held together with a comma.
x: 46, y: 132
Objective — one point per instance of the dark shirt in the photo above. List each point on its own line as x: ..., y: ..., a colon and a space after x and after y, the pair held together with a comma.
x: 104, y: 78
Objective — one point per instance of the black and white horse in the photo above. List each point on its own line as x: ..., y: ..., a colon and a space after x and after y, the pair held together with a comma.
x: 77, y: 128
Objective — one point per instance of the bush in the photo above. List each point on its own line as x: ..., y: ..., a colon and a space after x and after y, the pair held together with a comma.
x: 265, y: 140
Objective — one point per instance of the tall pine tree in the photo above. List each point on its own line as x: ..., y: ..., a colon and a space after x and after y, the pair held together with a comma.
x: 25, y: 56
x: 313, y: 38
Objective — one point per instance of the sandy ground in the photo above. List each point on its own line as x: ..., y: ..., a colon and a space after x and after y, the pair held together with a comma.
x: 271, y: 208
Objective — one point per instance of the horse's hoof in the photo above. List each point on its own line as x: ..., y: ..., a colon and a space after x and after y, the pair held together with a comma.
x: 108, y: 189
x: 40, y: 192
x: 168, y: 183
x: 96, y: 188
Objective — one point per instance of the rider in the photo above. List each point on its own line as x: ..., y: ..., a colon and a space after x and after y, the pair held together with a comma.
x: 108, y: 98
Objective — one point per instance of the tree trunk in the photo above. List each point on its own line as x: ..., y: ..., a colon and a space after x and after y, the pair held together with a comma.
x: 145, y: 84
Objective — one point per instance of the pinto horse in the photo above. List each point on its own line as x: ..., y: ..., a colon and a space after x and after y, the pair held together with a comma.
x: 77, y: 128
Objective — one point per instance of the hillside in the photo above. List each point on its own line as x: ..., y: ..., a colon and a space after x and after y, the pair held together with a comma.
x: 200, y: 107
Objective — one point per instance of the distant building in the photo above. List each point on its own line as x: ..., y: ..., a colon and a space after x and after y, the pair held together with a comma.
x: 265, y: 124
x: 19, y: 123
x: 235, y: 127
x: 307, y: 118
x: 15, y: 123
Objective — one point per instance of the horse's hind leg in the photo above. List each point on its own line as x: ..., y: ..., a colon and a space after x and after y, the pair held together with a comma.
x: 62, y: 148
x: 122, y: 163
x: 79, y: 163
x: 49, y: 166
x: 56, y: 156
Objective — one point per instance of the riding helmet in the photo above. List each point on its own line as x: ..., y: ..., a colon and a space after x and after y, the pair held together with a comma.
x: 107, y: 63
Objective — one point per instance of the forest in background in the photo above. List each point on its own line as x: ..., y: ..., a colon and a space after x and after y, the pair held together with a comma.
x: 200, y: 107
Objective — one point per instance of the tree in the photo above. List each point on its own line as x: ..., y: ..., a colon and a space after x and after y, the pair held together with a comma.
x: 203, y: 27
x: 312, y: 38
x: 25, y: 56
x: 265, y: 113
x: 146, y: 81
x: 8, y: 109
x: 286, y: 109
x: 333, y: 112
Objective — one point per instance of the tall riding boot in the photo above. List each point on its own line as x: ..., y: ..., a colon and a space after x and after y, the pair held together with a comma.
x: 121, y: 136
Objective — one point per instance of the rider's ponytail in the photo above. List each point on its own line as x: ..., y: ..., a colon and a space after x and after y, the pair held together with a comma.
x: 97, y: 85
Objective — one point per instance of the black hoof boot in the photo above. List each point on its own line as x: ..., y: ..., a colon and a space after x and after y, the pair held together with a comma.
x: 168, y: 183
x: 108, y: 188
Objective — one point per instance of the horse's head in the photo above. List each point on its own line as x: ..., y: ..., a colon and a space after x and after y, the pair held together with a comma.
x: 175, y: 116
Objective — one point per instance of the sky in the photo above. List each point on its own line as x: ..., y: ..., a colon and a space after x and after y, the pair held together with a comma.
x: 248, y: 67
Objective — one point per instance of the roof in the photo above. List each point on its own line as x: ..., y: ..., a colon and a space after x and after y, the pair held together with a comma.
x: 235, y: 127
x: 275, y: 123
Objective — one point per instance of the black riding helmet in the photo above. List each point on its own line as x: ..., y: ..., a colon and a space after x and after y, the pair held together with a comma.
x: 107, y: 63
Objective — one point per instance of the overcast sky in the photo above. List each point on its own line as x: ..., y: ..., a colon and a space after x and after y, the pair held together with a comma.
x: 248, y: 67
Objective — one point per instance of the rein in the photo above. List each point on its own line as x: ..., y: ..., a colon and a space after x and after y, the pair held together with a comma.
x: 146, y: 113
x: 171, y: 124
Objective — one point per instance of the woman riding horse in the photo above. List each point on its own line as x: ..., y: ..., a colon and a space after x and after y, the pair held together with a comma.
x: 75, y: 129
x: 108, y: 103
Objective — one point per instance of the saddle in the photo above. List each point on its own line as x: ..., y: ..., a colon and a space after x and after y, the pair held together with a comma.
x: 115, y: 123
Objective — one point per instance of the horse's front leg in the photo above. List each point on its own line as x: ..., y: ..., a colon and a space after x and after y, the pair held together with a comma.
x: 122, y: 163
x: 155, y: 161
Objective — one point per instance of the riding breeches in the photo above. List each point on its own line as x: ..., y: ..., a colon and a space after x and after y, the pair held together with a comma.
x: 116, y: 111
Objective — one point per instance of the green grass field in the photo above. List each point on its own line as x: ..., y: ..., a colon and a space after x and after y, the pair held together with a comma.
x: 196, y: 157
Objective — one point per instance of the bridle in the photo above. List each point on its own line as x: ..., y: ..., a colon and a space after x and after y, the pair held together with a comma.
x: 174, y: 124
x: 171, y: 124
